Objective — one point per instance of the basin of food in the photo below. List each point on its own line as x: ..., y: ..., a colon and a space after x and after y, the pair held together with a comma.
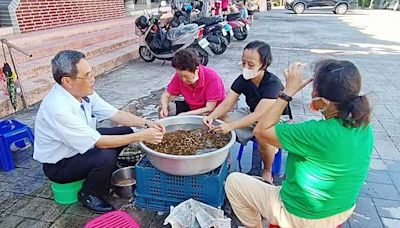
x: 188, y: 148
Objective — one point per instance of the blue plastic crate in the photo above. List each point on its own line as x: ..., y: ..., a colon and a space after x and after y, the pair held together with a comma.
x: 157, y: 191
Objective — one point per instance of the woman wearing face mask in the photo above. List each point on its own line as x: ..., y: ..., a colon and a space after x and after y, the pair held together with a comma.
x: 261, y: 88
x: 201, y: 87
x: 328, y: 159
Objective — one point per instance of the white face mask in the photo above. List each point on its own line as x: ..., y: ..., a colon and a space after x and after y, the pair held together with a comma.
x: 249, y: 74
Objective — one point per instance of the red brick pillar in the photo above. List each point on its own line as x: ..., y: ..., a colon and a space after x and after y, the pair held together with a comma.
x: 34, y: 15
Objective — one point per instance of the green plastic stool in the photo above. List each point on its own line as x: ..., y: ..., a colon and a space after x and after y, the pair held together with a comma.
x: 66, y: 193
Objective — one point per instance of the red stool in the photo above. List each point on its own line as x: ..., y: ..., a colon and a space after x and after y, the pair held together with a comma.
x: 114, y: 219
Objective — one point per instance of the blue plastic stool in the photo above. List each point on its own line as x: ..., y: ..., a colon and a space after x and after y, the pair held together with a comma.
x: 12, y: 131
x: 276, y: 165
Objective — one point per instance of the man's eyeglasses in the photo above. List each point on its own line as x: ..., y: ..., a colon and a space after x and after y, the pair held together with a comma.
x: 88, y: 78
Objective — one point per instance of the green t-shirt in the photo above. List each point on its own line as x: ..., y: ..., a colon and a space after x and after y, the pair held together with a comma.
x: 326, y: 166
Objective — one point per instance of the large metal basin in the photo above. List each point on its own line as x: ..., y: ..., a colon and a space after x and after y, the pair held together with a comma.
x: 190, y: 164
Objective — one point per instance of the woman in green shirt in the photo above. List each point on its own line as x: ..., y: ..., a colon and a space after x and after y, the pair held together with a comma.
x: 328, y: 159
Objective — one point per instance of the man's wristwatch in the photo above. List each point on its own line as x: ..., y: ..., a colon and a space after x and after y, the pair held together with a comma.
x: 284, y: 96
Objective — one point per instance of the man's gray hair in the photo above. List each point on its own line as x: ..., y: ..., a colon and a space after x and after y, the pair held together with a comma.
x: 64, y: 64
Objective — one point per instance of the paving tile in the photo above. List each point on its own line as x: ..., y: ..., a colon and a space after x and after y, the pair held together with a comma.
x: 68, y: 220
x: 395, y: 177
x: 365, y: 215
x: 375, y: 154
x: 385, y: 165
x: 18, y: 204
x: 37, y: 173
x: 144, y: 218
x: 4, y: 186
x: 158, y: 221
x: 382, y: 136
x: 382, y: 191
x: 392, y: 165
x: 29, y: 163
x: 391, y: 223
x: 21, y: 155
x: 346, y: 224
x: 119, y: 202
x: 379, y: 177
x: 388, y: 208
x: 10, y: 221
x: 79, y: 210
x: 38, y: 208
x: 44, y: 192
x: 28, y: 185
x: 8, y: 199
x: 30, y: 223
x: 13, y: 175
x: 387, y: 150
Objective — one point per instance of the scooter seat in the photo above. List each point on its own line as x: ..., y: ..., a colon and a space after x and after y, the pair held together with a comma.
x: 233, y: 17
x: 209, y: 20
x: 181, y: 31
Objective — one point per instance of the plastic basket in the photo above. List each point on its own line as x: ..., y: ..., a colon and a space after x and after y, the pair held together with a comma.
x: 157, y: 191
x: 114, y: 219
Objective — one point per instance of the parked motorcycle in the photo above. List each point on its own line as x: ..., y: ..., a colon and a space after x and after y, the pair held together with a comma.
x: 158, y: 43
x: 215, y: 29
x: 216, y: 32
x: 240, y: 26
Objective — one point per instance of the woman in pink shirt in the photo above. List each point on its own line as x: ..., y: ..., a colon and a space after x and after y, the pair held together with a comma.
x: 200, y: 86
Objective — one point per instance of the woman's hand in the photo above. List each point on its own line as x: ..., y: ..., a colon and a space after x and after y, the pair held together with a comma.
x: 294, y: 78
x: 208, y: 121
x: 224, y: 128
x: 164, y: 112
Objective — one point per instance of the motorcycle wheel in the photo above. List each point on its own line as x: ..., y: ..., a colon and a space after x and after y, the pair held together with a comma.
x: 218, y: 49
x: 203, y: 56
x: 145, y: 54
x: 240, y: 35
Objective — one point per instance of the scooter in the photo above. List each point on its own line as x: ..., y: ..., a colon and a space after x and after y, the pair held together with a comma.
x: 216, y: 32
x: 157, y: 43
x: 240, y: 26
x: 215, y: 29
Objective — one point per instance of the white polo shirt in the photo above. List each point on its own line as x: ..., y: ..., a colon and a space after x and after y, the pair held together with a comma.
x: 63, y: 128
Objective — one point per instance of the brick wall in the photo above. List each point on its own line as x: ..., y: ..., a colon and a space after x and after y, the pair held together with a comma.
x: 36, y: 15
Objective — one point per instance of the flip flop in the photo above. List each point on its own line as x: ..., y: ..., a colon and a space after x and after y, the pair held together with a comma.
x: 265, y: 181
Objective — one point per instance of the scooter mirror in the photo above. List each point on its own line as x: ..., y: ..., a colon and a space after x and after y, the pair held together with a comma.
x: 163, y: 3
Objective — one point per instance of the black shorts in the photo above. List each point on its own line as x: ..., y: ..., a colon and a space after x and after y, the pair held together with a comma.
x: 181, y: 106
x: 251, y: 12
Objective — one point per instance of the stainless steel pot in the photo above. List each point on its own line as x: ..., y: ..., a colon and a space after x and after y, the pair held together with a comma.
x: 190, y: 164
x: 124, y: 190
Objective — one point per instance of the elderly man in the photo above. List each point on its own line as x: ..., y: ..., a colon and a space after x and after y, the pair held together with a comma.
x: 67, y: 141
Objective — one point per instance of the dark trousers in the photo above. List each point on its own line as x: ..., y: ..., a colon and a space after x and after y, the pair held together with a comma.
x: 181, y: 106
x: 95, y: 166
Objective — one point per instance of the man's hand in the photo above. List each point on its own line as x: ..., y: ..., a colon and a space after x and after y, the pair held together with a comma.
x: 156, y: 126
x: 151, y: 135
